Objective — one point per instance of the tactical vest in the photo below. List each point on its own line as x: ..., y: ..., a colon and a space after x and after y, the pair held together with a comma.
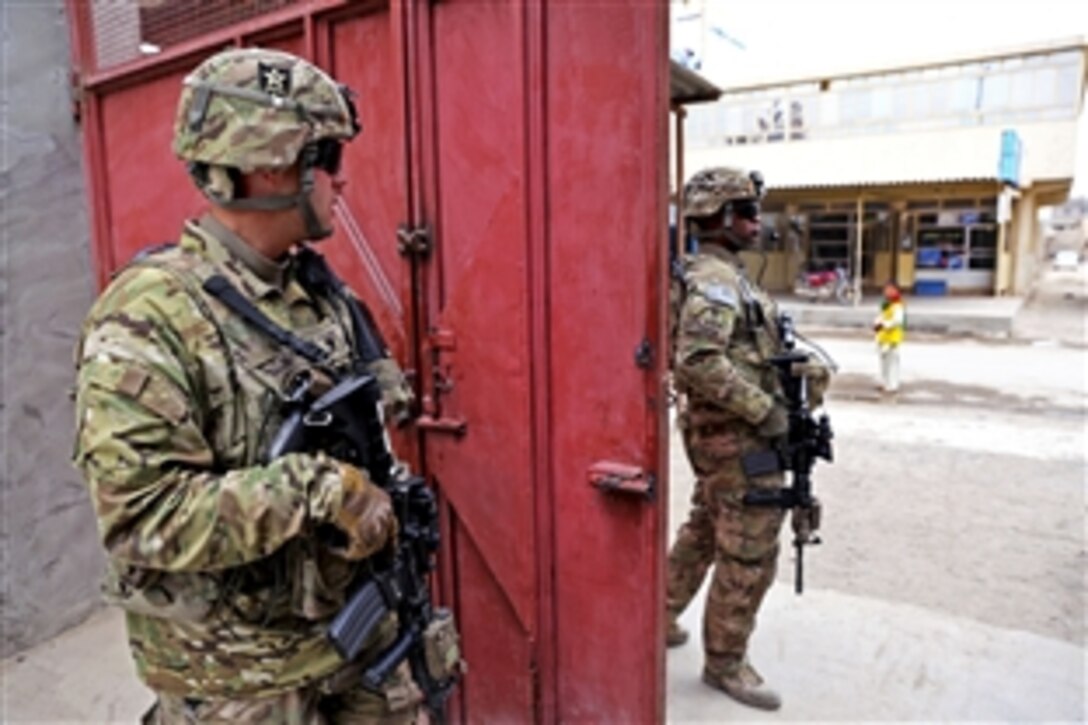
x: 754, y: 339
x: 303, y: 579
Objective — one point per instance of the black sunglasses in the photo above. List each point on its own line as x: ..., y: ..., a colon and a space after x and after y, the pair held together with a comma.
x: 327, y: 155
x: 746, y: 210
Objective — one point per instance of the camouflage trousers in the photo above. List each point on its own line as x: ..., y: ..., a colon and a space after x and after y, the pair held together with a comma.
x: 741, y: 541
x: 396, y: 704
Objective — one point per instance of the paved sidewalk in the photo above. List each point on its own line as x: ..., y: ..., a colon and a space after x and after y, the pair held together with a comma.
x: 983, y: 316
x: 832, y: 657
x: 836, y: 657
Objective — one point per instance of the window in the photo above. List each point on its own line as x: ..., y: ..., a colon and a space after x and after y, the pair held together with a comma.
x: 982, y: 247
x: 830, y: 219
x: 995, y: 92
x: 1067, y: 80
x: 941, y: 248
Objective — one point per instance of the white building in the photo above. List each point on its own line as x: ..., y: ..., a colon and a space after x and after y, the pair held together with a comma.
x: 931, y: 174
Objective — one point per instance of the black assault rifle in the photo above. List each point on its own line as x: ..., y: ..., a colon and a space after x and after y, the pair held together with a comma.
x: 346, y: 422
x: 808, y: 438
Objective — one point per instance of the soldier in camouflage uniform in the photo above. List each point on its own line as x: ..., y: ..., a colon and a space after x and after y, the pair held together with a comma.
x: 725, y: 335
x: 229, y: 566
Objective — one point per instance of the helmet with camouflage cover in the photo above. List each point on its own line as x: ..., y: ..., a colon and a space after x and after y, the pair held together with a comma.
x: 252, y: 108
x: 246, y: 109
x: 708, y: 190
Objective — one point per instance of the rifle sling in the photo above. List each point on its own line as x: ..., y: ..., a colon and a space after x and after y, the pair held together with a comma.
x: 224, y: 291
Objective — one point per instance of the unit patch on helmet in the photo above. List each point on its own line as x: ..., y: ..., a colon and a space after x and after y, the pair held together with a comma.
x: 719, y: 294
x: 274, y: 80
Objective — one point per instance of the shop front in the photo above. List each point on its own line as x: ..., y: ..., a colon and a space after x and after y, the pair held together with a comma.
x: 928, y: 239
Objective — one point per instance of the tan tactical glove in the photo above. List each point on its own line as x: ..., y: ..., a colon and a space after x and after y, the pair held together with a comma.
x: 366, y: 516
x: 776, y: 423
x: 398, y: 399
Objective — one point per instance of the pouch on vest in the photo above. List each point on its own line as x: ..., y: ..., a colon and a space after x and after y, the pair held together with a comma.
x: 442, y: 647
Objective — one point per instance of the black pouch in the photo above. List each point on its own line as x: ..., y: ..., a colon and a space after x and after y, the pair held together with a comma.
x: 761, y: 463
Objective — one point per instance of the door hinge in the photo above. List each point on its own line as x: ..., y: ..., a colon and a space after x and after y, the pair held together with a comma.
x: 644, y: 354
x: 612, y: 477
x: 414, y: 241
x: 75, y: 89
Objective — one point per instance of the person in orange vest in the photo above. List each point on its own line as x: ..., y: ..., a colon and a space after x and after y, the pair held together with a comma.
x: 889, y: 336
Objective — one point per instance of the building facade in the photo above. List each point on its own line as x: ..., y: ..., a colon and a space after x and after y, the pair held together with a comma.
x: 929, y: 174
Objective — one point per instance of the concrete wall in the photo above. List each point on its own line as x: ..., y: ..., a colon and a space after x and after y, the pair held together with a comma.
x: 51, y: 558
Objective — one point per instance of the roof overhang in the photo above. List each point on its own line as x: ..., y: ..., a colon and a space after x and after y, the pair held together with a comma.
x: 687, y: 87
x: 887, y: 191
x: 1047, y: 192
x: 850, y: 69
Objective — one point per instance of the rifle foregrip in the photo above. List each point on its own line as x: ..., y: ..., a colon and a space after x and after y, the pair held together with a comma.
x: 354, y: 624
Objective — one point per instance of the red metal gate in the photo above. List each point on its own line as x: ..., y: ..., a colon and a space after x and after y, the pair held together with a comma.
x: 505, y: 219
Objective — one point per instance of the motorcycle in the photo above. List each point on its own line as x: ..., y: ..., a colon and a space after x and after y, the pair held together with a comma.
x: 822, y: 285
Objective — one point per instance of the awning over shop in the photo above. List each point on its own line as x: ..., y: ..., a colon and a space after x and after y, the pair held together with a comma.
x: 687, y: 87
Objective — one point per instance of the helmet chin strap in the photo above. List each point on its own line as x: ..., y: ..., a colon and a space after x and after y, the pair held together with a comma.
x: 314, y: 230
x: 302, y: 200
x: 724, y: 237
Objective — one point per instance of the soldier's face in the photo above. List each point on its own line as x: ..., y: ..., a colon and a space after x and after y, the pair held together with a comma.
x: 328, y: 182
x: 746, y: 224
x: 327, y: 189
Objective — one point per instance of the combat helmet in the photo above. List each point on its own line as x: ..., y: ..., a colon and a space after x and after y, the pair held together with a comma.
x: 708, y: 190
x: 245, y: 109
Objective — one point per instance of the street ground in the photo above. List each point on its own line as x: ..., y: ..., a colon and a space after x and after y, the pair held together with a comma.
x: 951, y: 582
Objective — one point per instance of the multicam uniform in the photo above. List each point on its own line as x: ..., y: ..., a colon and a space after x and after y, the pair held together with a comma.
x: 213, y: 553
x: 726, y: 333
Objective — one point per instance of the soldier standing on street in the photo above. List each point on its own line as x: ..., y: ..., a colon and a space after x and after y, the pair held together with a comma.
x: 229, y: 566
x: 726, y: 333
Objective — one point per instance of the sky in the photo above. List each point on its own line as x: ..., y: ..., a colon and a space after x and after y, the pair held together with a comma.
x: 753, y: 39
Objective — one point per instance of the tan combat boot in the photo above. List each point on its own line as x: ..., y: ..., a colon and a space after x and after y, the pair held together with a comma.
x: 675, y: 635
x: 745, y: 686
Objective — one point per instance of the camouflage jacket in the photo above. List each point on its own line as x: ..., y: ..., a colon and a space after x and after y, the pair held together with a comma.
x: 726, y: 333
x: 212, y: 553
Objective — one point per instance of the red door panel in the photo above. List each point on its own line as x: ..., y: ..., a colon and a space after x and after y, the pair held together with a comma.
x: 606, y: 189
x: 363, y: 53
x: 545, y: 188
x: 500, y: 686
x: 475, y: 284
x: 148, y: 192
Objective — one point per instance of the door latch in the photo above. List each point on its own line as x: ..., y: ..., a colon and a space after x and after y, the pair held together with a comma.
x: 434, y: 419
x: 622, y: 478
x: 644, y: 355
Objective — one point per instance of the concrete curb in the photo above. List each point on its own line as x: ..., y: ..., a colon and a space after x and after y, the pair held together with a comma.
x: 967, y: 316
